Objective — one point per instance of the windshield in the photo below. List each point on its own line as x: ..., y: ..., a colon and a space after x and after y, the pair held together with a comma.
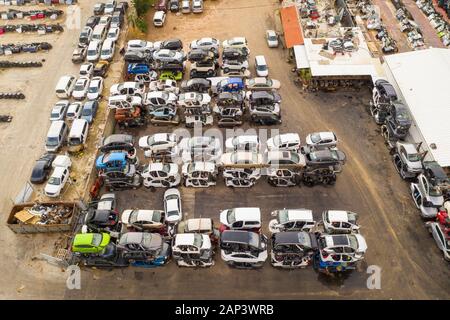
x: 282, y: 216
x: 315, y: 137
x: 413, y: 157
x: 198, y: 240
x: 86, y: 112
x: 353, y: 242
x: 79, y: 87
x: 56, y: 181
x: 96, y: 239
x: 106, y: 52
x: 295, y: 157
x: 261, y: 67
x: 93, y: 89
x: 55, y: 115
x: 231, y: 216
x: 272, y: 37
x: 133, y: 216
x: 277, y: 140
x: 74, y: 141
x: 52, y: 141
x: 111, y: 34
x: 92, y: 52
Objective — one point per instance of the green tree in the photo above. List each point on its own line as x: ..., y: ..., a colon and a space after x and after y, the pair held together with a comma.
x: 142, y: 6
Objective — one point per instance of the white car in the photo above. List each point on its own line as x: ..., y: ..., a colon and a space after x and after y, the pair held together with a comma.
x: 140, y: 45
x: 243, y: 143
x: 129, y: 88
x: 234, y: 66
x: 164, y: 85
x: 286, y: 141
x: 342, y: 247
x: 339, y: 221
x: 236, y: 42
x: 107, y: 52
x: 272, y: 39
x: 95, y: 88
x: 107, y: 202
x: 93, y: 51
x: 104, y: 21
x: 319, y: 140
x: 172, y: 206
x: 204, y: 147
x: 158, y: 142
x: 81, y: 87
x: 241, y: 218
x: 159, y: 18
x: 292, y: 220
x: 262, y: 83
x: 166, y: 55
x: 205, y: 44
x: 59, y: 176
x: 243, y: 248
x: 194, y: 99
x: 86, y: 69
x: 109, y: 7
x: 160, y: 98
x: 192, y: 250
x: 74, y: 111
x: 161, y: 175
x: 241, y: 157
x: 113, y: 34
x: 59, y: 110
x: 151, y: 220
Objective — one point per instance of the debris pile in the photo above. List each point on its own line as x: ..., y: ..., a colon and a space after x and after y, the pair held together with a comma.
x: 45, y: 214
x: 32, y: 14
x: 11, y: 48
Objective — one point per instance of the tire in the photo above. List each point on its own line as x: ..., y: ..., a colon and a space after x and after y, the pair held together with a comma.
x: 226, y: 70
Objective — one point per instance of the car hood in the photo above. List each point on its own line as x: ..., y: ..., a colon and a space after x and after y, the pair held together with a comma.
x: 50, y: 188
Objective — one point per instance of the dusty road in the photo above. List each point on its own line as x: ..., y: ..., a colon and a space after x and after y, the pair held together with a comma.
x: 369, y: 185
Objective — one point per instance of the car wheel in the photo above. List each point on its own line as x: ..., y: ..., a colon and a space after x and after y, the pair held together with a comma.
x: 226, y: 70
x: 243, y: 70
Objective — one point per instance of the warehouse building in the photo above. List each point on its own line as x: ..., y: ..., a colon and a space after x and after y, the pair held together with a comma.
x: 422, y: 80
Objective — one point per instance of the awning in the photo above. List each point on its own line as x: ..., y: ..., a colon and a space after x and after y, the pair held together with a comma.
x: 293, y: 34
x: 301, y: 58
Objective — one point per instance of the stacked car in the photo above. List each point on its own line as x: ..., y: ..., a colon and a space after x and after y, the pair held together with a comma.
x: 429, y: 183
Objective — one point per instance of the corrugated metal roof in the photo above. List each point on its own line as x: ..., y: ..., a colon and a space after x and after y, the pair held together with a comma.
x: 293, y: 34
x: 424, y: 81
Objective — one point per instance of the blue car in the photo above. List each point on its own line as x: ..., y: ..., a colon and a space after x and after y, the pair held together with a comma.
x: 113, y: 161
x: 138, y: 68
x: 231, y: 85
x: 89, y: 111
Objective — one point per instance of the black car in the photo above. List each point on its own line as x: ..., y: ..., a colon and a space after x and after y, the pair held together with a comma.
x: 327, y: 157
x: 97, y: 220
x: 174, y: 5
x: 42, y: 168
x: 435, y: 174
x: 136, y: 57
x: 239, y: 54
x: 172, y: 44
x: 99, y: 8
x: 199, y: 55
x: 171, y: 66
x: 92, y: 21
x: 117, y: 142
x: 122, y: 7
x: 196, y: 85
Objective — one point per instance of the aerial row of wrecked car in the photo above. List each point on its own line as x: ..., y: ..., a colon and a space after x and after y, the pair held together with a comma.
x: 429, y: 183
x: 150, y: 237
x: 244, y: 161
x: 153, y: 94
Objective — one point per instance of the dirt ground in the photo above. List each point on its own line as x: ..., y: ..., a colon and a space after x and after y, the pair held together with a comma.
x: 369, y: 185
x: 23, y: 140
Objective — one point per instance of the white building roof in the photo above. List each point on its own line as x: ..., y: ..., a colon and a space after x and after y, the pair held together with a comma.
x: 423, y: 78
x: 325, y: 63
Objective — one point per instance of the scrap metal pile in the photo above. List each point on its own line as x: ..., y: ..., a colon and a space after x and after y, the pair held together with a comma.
x: 45, y: 214
x: 151, y: 237
x: 21, y: 64
x: 11, y: 48
x: 40, y: 28
x: 388, y: 44
x: 429, y: 183
x: 437, y: 21
x: 32, y: 14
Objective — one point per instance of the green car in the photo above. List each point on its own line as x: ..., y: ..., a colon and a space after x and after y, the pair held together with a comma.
x: 90, y: 242
x: 170, y: 75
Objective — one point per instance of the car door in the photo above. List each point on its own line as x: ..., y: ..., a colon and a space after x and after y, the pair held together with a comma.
x: 438, y: 237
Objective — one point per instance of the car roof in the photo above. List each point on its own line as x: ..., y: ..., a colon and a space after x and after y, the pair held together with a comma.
x: 204, y: 166
x: 246, y: 214
x: 114, y: 156
x: 184, y: 239
x: 199, y: 224
x: 161, y: 136
x: 247, y: 138
x: 114, y: 138
x: 58, y: 171
x: 292, y: 237
x: 238, y: 236
x: 289, y: 137
x: 260, y: 59
x: 338, y: 215
x: 159, y: 14
x: 299, y: 214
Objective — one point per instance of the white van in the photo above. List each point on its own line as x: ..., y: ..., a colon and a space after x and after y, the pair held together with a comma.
x: 65, y: 86
x: 93, y: 52
x: 197, y: 6
x: 99, y: 33
x: 55, y: 136
x: 159, y: 18
x: 261, y: 66
x: 78, y: 135
x: 185, y: 6
x: 108, y: 48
